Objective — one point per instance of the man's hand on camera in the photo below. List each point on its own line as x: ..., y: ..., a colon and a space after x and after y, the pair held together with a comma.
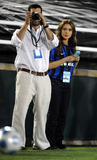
x: 43, y: 19
x: 28, y: 17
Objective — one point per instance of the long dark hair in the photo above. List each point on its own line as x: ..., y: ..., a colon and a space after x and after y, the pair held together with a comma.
x: 72, y: 41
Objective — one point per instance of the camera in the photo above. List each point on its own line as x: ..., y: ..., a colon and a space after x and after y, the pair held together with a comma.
x: 35, y: 16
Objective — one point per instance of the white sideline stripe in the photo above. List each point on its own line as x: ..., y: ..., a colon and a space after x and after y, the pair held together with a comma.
x: 80, y: 29
x: 16, y: 23
x: 5, y: 41
x: 13, y: 23
x: 80, y: 142
x: 87, y: 49
x: 90, y: 49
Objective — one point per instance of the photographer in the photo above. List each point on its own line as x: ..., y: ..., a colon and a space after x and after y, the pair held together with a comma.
x: 33, y: 42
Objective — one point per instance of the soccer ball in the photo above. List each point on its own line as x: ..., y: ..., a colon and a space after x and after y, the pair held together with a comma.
x: 10, y: 140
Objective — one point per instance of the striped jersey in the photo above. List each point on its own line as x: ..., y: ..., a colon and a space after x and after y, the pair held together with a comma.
x: 57, y: 73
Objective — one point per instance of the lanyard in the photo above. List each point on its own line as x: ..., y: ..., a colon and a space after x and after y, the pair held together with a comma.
x: 66, y: 54
x: 33, y: 38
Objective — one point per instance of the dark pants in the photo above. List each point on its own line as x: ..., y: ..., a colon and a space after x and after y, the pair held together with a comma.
x: 57, y: 112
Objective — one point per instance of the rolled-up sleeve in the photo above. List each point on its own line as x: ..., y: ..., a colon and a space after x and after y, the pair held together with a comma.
x: 54, y: 42
x: 15, y: 40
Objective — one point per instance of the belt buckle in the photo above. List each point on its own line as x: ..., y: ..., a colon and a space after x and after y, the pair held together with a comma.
x: 35, y: 73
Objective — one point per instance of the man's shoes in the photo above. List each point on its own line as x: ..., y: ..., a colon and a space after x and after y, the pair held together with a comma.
x: 35, y: 148
x: 23, y: 148
x: 49, y: 148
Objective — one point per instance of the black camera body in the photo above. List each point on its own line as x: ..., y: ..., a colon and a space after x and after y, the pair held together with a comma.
x: 35, y: 16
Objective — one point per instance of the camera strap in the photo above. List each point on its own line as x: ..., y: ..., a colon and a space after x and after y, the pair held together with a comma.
x: 33, y: 38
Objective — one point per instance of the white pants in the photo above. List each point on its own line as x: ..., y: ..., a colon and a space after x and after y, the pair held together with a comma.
x: 38, y: 88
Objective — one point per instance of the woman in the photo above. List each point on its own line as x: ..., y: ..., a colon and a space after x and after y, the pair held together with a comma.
x: 62, y: 64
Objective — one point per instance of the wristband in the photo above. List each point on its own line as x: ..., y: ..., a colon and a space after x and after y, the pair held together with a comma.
x: 46, y: 26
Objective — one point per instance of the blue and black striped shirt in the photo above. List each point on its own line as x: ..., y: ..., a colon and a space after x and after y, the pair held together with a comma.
x: 57, y: 73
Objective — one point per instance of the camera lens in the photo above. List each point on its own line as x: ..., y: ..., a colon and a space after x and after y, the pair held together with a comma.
x: 35, y: 16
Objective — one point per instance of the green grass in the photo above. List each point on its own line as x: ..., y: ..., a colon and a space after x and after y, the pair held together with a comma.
x: 70, y: 153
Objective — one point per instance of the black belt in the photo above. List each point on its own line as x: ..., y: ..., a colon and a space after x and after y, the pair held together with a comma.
x: 32, y: 72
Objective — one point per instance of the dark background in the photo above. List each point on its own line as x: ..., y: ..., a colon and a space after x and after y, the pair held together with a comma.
x: 83, y: 12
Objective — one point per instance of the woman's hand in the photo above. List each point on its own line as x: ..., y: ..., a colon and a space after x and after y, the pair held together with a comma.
x: 73, y: 58
x: 77, y: 58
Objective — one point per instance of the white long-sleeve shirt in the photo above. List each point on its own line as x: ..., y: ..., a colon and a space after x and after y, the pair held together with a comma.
x: 31, y: 57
